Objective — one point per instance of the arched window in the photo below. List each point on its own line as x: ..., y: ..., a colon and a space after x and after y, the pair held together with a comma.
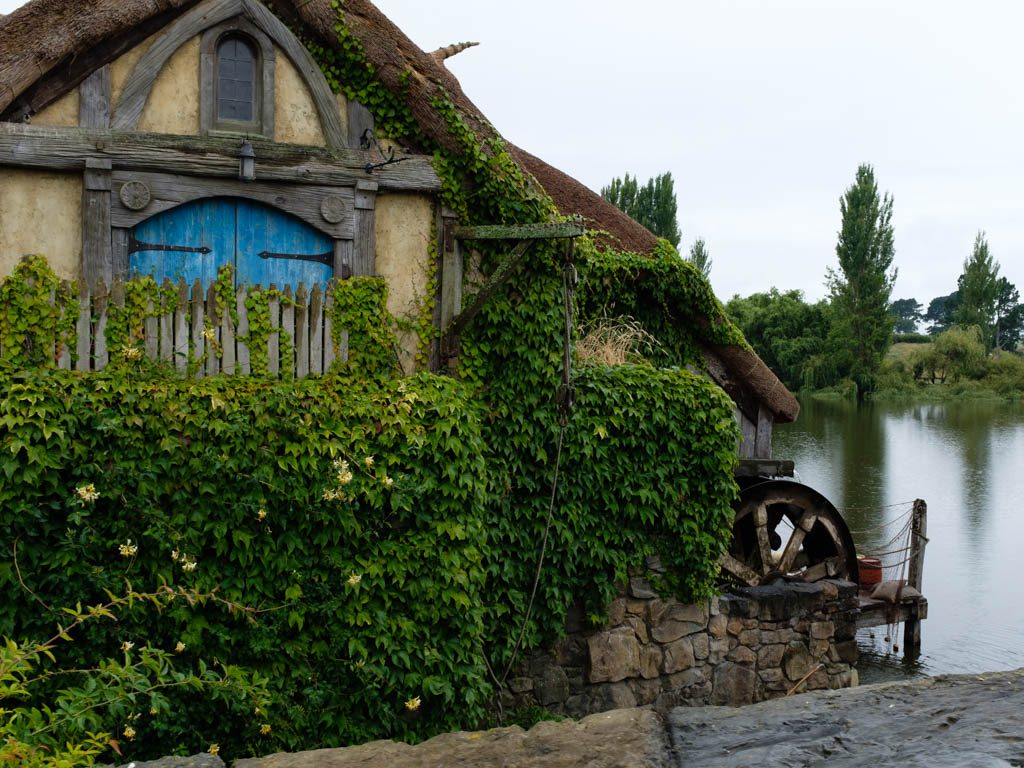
x: 237, y: 80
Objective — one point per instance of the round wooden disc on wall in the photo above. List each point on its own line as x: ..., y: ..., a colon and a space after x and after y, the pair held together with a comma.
x: 333, y: 209
x: 135, y: 195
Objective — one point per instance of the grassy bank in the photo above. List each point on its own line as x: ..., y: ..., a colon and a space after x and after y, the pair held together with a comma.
x: 950, y: 368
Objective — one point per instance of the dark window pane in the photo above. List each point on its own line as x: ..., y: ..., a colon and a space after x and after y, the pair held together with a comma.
x: 236, y: 75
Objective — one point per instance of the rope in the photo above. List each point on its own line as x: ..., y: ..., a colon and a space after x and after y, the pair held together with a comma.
x: 565, y: 399
x: 882, y: 526
x: 540, y: 558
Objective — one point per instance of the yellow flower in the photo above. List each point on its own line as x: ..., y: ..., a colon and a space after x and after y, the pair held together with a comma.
x: 175, y: 555
x: 213, y: 749
x: 344, y: 477
x: 129, y: 732
x: 209, y: 334
x: 354, y: 579
x: 128, y: 549
x: 152, y: 710
x: 189, y: 563
x: 368, y: 461
x: 264, y: 729
x: 179, y: 647
x: 261, y: 515
x: 87, y: 493
x: 131, y: 353
x: 413, y: 704
x: 127, y: 645
x: 388, y: 481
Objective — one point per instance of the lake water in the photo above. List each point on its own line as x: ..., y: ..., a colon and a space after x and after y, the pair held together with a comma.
x: 966, y: 460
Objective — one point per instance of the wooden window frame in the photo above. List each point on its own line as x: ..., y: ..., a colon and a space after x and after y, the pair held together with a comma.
x: 263, y: 122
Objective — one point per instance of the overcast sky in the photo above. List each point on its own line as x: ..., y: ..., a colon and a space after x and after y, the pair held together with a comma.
x: 762, y: 110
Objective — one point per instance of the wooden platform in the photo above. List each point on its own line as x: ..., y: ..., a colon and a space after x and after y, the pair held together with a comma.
x: 875, y: 613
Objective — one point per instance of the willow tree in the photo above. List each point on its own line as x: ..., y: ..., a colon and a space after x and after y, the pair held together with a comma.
x: 861, y: 288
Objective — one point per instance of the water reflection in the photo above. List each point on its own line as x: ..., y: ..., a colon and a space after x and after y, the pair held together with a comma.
x: 964, y: 459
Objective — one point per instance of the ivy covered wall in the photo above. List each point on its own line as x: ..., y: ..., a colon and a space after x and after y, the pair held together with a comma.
x: 385, y: 531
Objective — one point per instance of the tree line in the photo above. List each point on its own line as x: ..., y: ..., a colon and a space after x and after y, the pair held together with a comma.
x: 845, y: 337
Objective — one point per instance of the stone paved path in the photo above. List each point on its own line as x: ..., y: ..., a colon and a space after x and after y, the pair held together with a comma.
x: 956, y: 721
x: 966, y: 721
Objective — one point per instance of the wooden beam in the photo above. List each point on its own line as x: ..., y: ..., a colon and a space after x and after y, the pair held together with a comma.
x: 763, y: 441
x: 498, y: 279
x: 764, y: 468
x: 304, y: 201
x: 94, y: 100
x: 521, y: 232
x: 364, y: 256
x: 97, y: 255
x: 75, y: 69
x: 67, y: 149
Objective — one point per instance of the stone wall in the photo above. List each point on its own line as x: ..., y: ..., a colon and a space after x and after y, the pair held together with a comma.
x: 754, y: 644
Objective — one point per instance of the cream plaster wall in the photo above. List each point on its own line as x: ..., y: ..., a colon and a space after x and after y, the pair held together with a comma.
x: 63, y: 112
x: 342, y: 112
x: 173, y: 104
x: 41, y: 213
x: 295, y: 117
x: 121, y: 69
x: 403, y: 231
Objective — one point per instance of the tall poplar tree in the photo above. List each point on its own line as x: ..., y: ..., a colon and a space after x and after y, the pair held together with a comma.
x: 862, y: 326
x: 700, y: 258
x: 653, y: 205
x: 979, y: 288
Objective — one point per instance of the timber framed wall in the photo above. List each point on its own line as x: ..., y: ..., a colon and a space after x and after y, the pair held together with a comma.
x: 128, y: 176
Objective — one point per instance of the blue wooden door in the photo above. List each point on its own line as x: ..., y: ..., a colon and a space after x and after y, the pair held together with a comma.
x: 274, y: 247
x: 264, y: 245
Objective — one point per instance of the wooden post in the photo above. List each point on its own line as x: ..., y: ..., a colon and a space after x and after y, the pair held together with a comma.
x: 365, y: 242
x: 301, y: 332
x: 198, y: 324
x: 242, y: 332
x: 151, y: 330
x: 212, y: 317
x: 329, y: 350
x: 915, y: 575
x: 273, y: 340
x: 168, y: 300
x: 83, y: 329
x: 288, y: 329
x: 316, y: 331
x: 181, y: 345
x: 99, y: 304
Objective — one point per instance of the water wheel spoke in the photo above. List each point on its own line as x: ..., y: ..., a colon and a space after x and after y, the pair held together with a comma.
x: 739, y: 570
x: 800, y: 530
x: 764, y: 546
x: 785, y: 528
x: 825, y: 569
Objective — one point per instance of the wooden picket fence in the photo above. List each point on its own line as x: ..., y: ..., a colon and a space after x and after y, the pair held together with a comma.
x: 191, y: 332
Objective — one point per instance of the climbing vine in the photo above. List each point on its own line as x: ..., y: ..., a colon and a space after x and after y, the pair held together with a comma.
x: 38, y: 313
x: 359, y: 315
x: 389, y: 528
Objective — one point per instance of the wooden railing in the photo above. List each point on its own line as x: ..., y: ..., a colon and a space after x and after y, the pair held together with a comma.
x: 191, y: 330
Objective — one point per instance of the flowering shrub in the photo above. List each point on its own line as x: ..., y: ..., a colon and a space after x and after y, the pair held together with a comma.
x: 124, y: 691
x: 348, y: 516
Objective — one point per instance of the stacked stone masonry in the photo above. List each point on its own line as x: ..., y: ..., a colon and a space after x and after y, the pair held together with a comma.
x: 754, y: 644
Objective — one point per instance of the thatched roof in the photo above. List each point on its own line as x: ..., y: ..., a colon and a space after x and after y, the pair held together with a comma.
x: 48, y: 46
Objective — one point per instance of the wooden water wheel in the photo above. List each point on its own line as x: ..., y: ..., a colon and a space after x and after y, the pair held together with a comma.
x: 786, y: 530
